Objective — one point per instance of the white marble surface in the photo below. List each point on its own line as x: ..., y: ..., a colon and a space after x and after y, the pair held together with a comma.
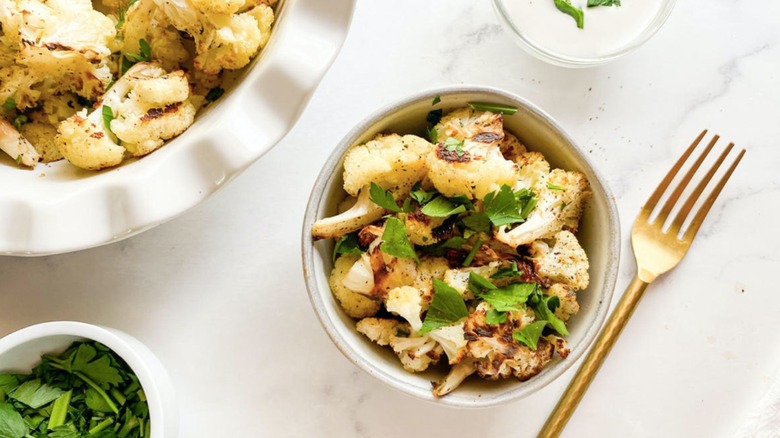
x: 218, y: 292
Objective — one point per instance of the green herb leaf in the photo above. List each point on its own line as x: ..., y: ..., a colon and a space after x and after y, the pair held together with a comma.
x: 346, y: 244
x: 8, y: 382
x: 440, y: 206
x: 454, y: 145
x: 12, y: 424
x: 20, y: 120
x: 456, y: 242
x: 36, y: 394
x: 395, y: 240
x: 474, y: 249
x: 18, y: 159
x: 214, y: 94
x: 493, y: 108
x: 9, y: 103
x: 59, y: 410
x: 383, y: 198
x: 494, y: 317
x: 434, y: 117
x: 65, y: 431
x: 479, y: 284
x: 594, y: 3
x: 146, y: 50
x: 437, y: 99
x: 529, y: 335
x: 447, y: 307
x: 99, y: 370
x: 422, y: 196
x: 501, y: 208
x: 477, y: 221
x: 576, y: 13
x: 122, y: 12
x: 433, y: 134
x: 545, y: 310
x: 108, y: 116
x: 96, y: 402
x: 510, y: 271
x: 509, y: 298
x: 552, y: 186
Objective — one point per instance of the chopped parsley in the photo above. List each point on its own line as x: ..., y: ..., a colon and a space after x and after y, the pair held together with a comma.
x: 493, y: 108
x: 594, y: 3
x: 130, y: 59
x: 576, y: 13
x: 9, y: 103
x: 346, y: 244
x: 501, y: 207
x: 122, y: 12
x: 545, y: 310
x: 20, y: 120
x: 383, y: 198
x: 454, y: 145
x: 441, y: 206
x: 447, y: 307
x: 552, y: 186
x: 422, y: 196
x: 436, y: 100
x: 474, y: 249
x: 396, y: 242
x: 510, y: 271
x: 530, y: 334
x: 494, y: 317
x: 477, y: 221
x: 108, y: 116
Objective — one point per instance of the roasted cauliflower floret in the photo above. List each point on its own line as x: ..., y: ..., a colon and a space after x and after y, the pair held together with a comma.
x: 145, y: 21
x: 406, y: 302
x: 533, y: 171
x: 511, y: 147
x: 147, y: 109
x: 16, y: 146
x: 41, y: 135
x: 477, y: 167
x: 420, y: 228
x: 430, y: 268
x: 568, y: 301
x: 224, y: 38
x: 415, y: 352
x: 393, y: 162
x: 362, y: 213
x: 458, y: 278
x: 355, y: 304
x: 562, y: 261
x: 453, y: 340
x: 561, y: 203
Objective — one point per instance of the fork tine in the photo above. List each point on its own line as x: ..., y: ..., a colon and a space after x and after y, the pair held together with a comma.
x: 690, y: 232
x: 678, y: 221
x: 675, y: 196
x: 644, y: 213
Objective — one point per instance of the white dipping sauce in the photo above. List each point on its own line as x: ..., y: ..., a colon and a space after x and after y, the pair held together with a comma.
x: 606, y: 30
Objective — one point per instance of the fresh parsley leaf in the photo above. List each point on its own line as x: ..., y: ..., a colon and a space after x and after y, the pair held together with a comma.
x: 20, y: 120
x: 474, y: 249
x: 108, y: 116
x: 18, y: 159
x: 528, y: 207
x: 122, y: 12
x: 214, y: 94
x: 146, y: 50
x: 477, y: 221
x: 59, y: 410
x: 65, y: 431
x: 510, y: 271
x: 456, y: 242
x: 440, y: 206
x: 563, y: 205
x: 422, y: 196
x: 479, y: 284
x: 529, y: 335
x: 493, y: 108
x: 508, y: 298
x: 8, y: 382
x: 9, y: 103
x: 36, y: 394
x: 437, y: 99
x: 462, y: 200
x: 434, y: 117
x: 433, y: 134
x: 494, y: 317
x: 395, y: 240
x: 346, y: 244
x: 454, y: 145
x: 96, y: 402
x: 383, y: 198
x: 501, y: 207
x: 594, y: 3
x: 545, y: 310
x: 12, y: 424
x: 576, y: 13
x: 447, y: 307
x: 552, y: 186
x: 407, y: 206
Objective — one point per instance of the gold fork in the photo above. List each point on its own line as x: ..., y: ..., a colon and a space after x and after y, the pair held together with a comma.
x: 656, y: 251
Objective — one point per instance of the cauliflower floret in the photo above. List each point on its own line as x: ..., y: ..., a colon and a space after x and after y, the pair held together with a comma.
x: 430, y: 268
x: 395, y: 163
x: 223, y: 39
x: 415, y: 352
x: 568, y: 301
x: 497, y: 354
x: 458, y: 279
x: 41, y: 136
x: 355, y: 305
x: 419, y: 227
x: 406, y: 301
x: 362, y: 213
x: 478, y: 167
x: 390, y: 272
x: 145, y: 113
x: 16, y: 146
x: 148, y: 22
x: 533, y: 171
x: 561, y: 202
x: 455, y: 377
x: 563, y: 262
x: 453, y: 340
x: 511, y: 147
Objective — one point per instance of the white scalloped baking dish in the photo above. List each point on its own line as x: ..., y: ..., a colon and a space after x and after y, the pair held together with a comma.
x: 58, y: 208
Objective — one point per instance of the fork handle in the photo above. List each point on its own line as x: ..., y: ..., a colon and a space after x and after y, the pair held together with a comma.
x: 590, y: 366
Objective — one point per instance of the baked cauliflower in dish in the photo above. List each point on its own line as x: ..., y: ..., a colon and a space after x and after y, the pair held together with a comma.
x: 65, y: 63
x: 459, y: 250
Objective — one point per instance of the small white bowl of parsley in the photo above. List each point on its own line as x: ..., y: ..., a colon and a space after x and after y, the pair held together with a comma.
x: 460, y: 247
x: 68, y: 379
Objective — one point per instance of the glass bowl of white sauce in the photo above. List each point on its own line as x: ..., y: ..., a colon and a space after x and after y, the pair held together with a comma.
x: 607, y: 32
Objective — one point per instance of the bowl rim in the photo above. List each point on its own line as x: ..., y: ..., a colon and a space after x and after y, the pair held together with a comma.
x: 316, y: 297
x: 582, y: 61
x: 154, y: 379
x: 41, y: 217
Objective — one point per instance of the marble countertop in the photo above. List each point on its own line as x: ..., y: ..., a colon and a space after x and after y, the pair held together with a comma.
x: 218, y: 293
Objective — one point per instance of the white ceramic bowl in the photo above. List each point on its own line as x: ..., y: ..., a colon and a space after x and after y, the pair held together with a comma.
x: 58, y: 208
x: 21, y: 351
x: 532, y: 34
x: 599, y: 234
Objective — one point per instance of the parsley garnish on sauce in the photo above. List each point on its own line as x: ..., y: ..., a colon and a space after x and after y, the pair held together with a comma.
x: 566, y: 7
x: 447, y: 307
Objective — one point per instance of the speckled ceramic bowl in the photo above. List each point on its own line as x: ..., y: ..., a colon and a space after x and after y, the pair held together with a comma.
x: 599, y: 234
x: 21, y: 351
